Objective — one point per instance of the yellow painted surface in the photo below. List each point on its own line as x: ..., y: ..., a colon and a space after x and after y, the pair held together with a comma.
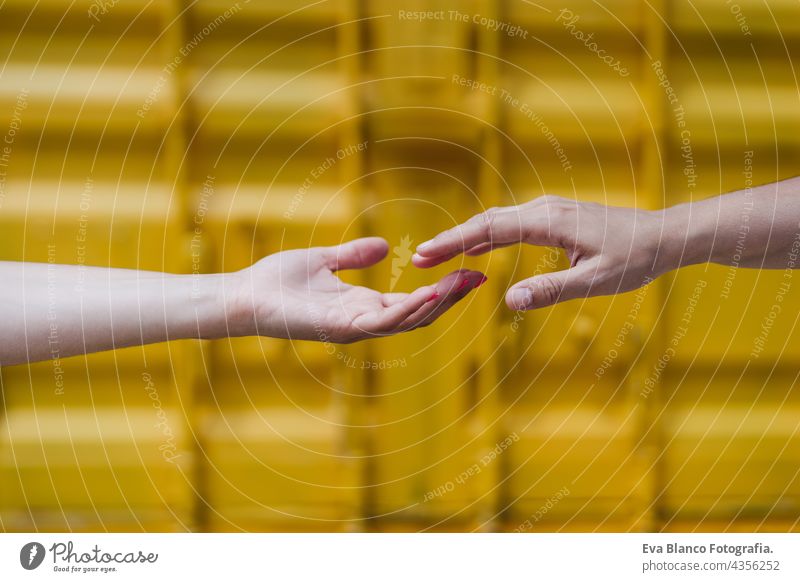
x: 143, y: 121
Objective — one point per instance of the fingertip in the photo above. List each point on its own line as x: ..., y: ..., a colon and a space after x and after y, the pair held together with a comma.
x: 378, y: 244
x: 358, y: 253
x: 425, y: 247
x: 459, y: 283
x: 519, y: 298
x: 473, y: 280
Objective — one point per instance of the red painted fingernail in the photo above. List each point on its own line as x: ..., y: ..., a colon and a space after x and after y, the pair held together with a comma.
x: 434, y: 296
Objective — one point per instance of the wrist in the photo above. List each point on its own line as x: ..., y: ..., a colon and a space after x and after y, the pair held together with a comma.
x: 209, y: 312
x: 247, y: 312
x: 236, y: 300
x: 683, y: 238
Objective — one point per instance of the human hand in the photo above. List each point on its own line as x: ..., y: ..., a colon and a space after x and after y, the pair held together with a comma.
x: 611, y: 249
x: 295, y: 294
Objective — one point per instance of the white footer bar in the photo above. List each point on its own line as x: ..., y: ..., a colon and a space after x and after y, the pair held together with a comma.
x: 406, y: 557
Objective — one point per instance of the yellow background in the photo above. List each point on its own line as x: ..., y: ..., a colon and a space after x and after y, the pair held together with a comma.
x: 276, y: 435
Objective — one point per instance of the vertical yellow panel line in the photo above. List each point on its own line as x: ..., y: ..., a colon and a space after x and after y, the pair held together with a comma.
x: 488, y: 483
x: 651, y: 182
x: 356, y: 407
x: 175, y: 159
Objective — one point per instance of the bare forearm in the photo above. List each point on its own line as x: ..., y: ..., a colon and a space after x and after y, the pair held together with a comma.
x: 54, y: 311
x: 49, y: 311
x: 749, y: 228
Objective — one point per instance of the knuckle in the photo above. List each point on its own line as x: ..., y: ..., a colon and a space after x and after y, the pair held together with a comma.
x: 560, y: 209
x: 549, y: 289
x: 548, y: 200
x: 549, y: 207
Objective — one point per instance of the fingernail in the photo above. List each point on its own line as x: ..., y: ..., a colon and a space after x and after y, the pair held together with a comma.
x: 521, y: 298
x: 423, y: 246
x: 481, y: 281
x: 432, y: 297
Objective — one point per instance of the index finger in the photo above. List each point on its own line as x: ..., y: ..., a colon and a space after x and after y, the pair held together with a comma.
x: 496, y: 226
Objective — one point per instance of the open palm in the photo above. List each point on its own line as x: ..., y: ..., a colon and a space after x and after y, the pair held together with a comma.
x: 295, y: 294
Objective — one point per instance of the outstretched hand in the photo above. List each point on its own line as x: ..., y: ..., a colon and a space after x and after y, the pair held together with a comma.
x: 296, y: 294
x: 611, y: 249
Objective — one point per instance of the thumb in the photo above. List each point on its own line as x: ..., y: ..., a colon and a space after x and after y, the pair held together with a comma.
x: 355, y: 254
x: 551, y: 288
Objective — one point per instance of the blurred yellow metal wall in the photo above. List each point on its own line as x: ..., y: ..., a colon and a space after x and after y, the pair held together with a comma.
x: 200, y: 136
